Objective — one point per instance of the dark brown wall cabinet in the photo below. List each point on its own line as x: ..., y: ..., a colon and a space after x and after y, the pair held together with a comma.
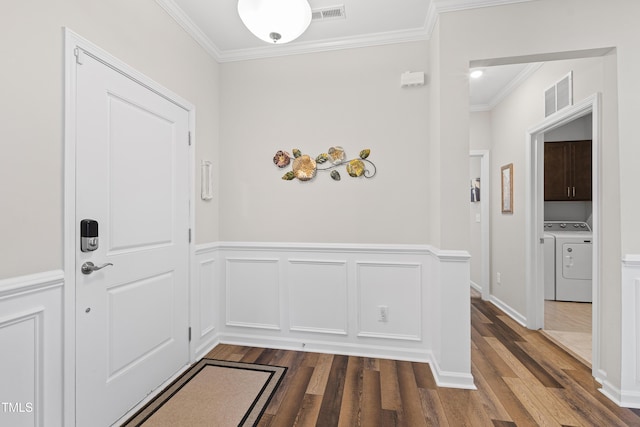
x: 567, y: 170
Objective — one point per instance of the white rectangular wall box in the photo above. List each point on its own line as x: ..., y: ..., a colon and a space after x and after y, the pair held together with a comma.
x: 412, y: 79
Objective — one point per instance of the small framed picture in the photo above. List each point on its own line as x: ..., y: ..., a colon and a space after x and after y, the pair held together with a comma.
x: 506, y: 173
x: 475, y: 190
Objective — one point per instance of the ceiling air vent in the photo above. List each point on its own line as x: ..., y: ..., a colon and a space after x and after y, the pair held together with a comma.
x: 559, y: 96
x: 328, y: 13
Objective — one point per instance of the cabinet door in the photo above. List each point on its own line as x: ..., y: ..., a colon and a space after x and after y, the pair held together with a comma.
x: 567, y: 171
x: 581, y: 170
x: 556, y: 167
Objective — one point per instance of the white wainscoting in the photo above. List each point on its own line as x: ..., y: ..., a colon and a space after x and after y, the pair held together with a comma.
x: 629, y: 393
x: 205, y: 300
x: 327, y: 298
x: 31, y: 356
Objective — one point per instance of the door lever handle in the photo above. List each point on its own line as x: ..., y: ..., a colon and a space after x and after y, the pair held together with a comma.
x: 89, y: 267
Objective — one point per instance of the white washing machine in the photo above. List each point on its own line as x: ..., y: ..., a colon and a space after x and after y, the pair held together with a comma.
x: 573, y: 260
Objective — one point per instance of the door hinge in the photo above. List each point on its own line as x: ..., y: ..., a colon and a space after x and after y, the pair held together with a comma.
x: 189, y: 137
x: 542, y: 240
x: 189, y: 333
x: 189, y: 235
x: 78, y: 53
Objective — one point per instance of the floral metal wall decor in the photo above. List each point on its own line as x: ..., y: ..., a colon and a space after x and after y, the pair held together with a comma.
x: 304, y: 167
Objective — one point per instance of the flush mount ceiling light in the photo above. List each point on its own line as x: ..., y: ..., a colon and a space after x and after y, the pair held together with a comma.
x: 476, y: 74
x: 275, y: 21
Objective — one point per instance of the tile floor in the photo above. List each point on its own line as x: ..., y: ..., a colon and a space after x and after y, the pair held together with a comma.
x: 568, y: 324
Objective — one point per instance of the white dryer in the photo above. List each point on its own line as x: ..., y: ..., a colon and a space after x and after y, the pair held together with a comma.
x: 574, y: 260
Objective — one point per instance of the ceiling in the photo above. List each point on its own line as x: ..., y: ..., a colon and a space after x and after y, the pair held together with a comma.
x: 216, y: 26
x: 496, y: 83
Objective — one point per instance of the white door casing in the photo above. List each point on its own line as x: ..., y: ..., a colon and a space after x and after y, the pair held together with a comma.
x: 534, y: 197
x: 132, y: 175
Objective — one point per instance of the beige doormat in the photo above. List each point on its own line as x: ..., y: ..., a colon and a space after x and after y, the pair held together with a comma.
x: 213, y: 393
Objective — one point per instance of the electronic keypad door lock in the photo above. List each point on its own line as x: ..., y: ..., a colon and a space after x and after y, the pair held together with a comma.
x: 88, y: 235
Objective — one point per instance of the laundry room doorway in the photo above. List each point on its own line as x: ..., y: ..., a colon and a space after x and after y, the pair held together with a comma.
x: 537, y: 214
x: 568, y: 242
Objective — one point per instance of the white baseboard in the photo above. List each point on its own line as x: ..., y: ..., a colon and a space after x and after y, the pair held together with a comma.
x: 206, y: 347
x: 619, y: 397
x: 522, y: 320
x: 442, y: 378
x: 475, y: 286
x: 451, y: 379
x: 347, y: 349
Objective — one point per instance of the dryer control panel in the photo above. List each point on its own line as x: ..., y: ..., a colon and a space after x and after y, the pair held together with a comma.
x: 566, y: 226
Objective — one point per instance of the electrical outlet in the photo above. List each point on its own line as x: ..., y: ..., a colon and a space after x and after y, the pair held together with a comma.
x: 498, y: 278
x: 383, y: 313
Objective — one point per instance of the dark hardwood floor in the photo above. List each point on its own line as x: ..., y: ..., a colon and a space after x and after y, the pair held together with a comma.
x: 522, y: 379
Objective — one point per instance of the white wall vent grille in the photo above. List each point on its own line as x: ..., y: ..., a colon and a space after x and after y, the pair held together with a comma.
x: 559, y: 96
x: 328, y: 13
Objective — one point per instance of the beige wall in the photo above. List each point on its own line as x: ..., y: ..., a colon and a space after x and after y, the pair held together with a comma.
x: 31, y: 83
x: 551, y: 26
x: 350, y: 98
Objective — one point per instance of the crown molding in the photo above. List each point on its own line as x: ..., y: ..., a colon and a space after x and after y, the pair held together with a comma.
x: 436, y: 7
x: 297, y: 48
x: 432, y: 18
x: 190, y: 27
x: 513, y: 84
x: 506, y: 90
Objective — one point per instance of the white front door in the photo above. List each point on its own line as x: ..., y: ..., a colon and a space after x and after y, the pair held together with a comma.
x: 132, y: 178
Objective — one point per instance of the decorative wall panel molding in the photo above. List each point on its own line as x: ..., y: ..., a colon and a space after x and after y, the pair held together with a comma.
x: 318, y: 296
x: 31, y: 334
x: 253, y: 292
x: 22, y: 333
x: 206, y: 298
x: 390, y: 300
